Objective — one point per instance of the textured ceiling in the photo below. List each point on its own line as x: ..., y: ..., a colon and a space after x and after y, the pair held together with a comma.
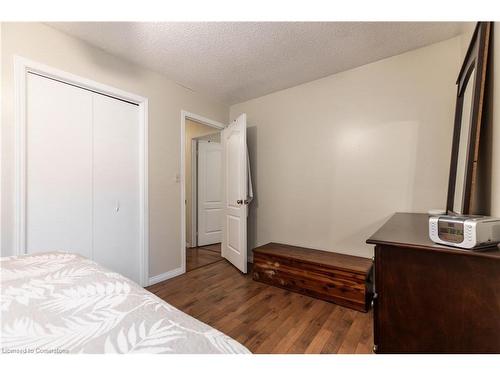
x: 237, y: 61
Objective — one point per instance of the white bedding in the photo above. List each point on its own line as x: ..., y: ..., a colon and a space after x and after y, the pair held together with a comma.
x: 63, y: 303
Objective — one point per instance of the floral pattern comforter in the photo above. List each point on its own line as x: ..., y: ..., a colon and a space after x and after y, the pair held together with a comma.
x: 63, y: 303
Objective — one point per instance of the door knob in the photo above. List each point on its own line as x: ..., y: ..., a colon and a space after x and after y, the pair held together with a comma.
x: 239, y: 201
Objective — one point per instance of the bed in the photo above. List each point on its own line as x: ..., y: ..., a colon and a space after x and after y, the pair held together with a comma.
x: 58, y: 302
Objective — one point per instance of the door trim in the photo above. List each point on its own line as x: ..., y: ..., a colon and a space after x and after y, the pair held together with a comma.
x: 22, y: 67
x: 193, y: 242
x: 205, y: 121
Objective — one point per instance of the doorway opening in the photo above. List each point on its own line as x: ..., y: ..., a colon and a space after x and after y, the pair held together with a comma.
x: 229, y: 204
x: 203, y: 195
x: 202, y: 192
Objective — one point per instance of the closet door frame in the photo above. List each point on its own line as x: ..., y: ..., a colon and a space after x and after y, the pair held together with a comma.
x: 22, y: 67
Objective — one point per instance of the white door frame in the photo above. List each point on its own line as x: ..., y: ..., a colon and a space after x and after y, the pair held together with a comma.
x: 205, y: 121
x: 193, y: 241
x: 21, y: 68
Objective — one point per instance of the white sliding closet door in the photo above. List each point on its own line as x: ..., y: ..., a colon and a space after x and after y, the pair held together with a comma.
x: 116, y: 186
x: 58, y: 167
x: 83, y: 192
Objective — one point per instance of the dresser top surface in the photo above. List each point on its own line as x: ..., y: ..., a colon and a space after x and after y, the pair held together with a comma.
x: 412, y: 230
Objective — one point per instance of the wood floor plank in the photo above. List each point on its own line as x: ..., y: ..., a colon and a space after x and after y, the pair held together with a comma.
x: 300, y: 325
x: 320, y: 340
x: 287, y: 320
x: 312, y: 328
x: 365, y: 344
x: 197, y: 257
x: 215, y: 248
x: 343, y: 323
x: 264, y: 318
x: 353, y: 336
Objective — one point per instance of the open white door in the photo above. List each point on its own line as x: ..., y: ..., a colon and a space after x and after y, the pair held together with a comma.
x: 234, y: 162
x: 209, y: 193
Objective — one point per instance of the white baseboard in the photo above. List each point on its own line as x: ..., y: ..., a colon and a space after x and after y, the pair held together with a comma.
x: 165, y: 276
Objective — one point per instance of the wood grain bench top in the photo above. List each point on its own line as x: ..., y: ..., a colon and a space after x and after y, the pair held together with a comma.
x: 319, y: 257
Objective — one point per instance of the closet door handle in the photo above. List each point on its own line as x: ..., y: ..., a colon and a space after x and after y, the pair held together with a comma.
x: 117, y: 206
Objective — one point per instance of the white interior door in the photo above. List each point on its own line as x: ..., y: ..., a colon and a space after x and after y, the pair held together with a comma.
x: 209, y: 193
x: 58, y: 167
x: 116, y: 208
x: 234, y: 242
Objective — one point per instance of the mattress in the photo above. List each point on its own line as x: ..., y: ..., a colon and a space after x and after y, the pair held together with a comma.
x: 63, y: 303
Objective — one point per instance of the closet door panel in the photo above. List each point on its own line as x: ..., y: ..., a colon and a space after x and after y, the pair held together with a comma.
x: 58, y: 167
x: 116, y: 186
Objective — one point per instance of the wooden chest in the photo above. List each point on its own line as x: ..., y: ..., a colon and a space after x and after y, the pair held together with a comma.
x: 339, y: 278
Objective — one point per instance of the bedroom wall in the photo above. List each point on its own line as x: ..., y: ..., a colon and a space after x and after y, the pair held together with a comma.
x: 332, y: 159
x: 46, y: 45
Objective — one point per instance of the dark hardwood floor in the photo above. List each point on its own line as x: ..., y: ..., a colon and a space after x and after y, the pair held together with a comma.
x: 264, y: 318
x: 197, y: 257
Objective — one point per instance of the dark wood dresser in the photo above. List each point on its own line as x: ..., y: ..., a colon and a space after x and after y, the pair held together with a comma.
x: 430, y: 298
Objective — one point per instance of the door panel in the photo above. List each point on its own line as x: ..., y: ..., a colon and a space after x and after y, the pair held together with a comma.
x: 233, y: 237
x: 233, y: 169
x: 214, y: 222
x: 234, y: 243
x: 209, y: 193
x: 116, y: 186
x: 58, y: 167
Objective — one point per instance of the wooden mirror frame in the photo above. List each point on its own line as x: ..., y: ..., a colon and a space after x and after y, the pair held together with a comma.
x: 475, y: 58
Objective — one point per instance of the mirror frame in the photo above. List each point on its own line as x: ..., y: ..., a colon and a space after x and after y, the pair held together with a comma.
x: 476, y: 57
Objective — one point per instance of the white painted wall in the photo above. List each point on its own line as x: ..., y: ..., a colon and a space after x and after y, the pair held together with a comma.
x: 41, y: 43
x: 332, y: 159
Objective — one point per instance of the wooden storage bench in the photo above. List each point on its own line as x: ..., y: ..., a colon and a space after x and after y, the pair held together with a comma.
x: 338, y: 278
